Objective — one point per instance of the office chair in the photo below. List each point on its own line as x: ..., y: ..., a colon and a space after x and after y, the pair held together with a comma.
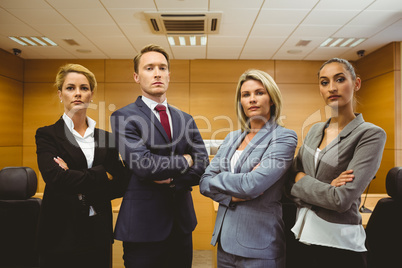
x: 19, y: 214
x: 383, y: 230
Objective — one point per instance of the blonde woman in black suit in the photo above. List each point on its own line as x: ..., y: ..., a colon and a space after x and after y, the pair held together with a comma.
x: 336, y: 162
x: 82, y: 172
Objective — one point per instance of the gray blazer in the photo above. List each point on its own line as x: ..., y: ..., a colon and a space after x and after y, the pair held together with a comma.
x: 359, y: 147
x: 252, y: 228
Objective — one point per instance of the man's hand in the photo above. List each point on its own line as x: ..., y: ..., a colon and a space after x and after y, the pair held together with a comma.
x: 167, y: 181
x: 109, y: 176
x: 189, y: 159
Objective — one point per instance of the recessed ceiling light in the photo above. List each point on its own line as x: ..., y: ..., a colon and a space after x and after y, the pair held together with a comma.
x: 182, y: 40
x: 357, y: 42
x: 33, y: 40
x: 342, y: 42
x: 193, y: 41
x: 336, y: 42
x: 171, y: 40
x: 187, y: 40
x: 203, y: 40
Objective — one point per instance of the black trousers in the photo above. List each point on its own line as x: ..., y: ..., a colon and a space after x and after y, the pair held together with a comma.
x: 176, y: 251
x: 313, y: 256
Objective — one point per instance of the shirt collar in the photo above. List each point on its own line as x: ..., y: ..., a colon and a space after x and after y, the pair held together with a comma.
x: 70, y: 124
x: 152, y: 104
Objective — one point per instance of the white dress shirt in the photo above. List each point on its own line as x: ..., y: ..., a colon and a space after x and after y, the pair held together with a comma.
x: 86, y: 143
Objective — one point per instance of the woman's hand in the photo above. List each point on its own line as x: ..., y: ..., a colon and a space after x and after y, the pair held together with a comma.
x: 235, y: 199
x: 61, y: 163
x: 256, y: 166
x: 343, y: 178
x: 299, y: 176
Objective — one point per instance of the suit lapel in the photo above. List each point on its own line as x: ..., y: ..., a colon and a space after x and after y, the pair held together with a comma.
x: 255, y: 142
x: 232, y: 149
x: 344, y: 133
x: 152, y: 118
x: 100, y: 147
x: 69, y: 143
x: 179, y: 126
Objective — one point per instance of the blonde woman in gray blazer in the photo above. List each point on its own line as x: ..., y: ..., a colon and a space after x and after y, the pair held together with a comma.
x: 336, y: 162
x: 246, y: 177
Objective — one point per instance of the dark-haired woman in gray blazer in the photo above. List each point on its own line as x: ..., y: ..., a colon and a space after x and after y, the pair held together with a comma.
x: 246, y: 178
x: 336, y: 162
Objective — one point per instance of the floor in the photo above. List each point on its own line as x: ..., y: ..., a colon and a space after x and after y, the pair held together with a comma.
x: 203, y: 259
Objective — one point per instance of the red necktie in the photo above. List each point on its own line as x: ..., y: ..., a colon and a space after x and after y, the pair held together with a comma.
x: 164, y: 119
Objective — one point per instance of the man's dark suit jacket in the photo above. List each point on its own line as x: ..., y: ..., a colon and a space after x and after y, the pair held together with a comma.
x: 149, y: 210
x: 65, y: 225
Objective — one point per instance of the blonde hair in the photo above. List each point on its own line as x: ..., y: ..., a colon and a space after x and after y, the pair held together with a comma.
x: 150, y: 48
x: 74, y: 68
x: 273, y: 91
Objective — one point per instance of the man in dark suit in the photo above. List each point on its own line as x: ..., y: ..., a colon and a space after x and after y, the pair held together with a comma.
x: 165, y: 151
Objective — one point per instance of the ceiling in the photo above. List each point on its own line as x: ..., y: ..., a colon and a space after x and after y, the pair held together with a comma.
x: 248, y: 29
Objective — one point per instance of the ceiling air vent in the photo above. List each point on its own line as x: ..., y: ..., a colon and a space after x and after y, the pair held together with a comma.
x: 184, y: 23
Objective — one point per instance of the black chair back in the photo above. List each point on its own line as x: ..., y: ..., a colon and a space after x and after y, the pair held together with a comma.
x: 19, y: 215
x: 383, y: 230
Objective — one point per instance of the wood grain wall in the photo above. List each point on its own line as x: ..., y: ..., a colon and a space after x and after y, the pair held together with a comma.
x: 379, y: 102
x: 11, y: 109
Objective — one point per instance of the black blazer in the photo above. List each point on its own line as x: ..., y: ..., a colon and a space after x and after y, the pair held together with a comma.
x: 149, y: 210
x: 65, y: 224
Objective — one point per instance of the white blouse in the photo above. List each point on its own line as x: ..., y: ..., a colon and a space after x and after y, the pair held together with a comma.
x: 234, y: 159
x: 87, y: 145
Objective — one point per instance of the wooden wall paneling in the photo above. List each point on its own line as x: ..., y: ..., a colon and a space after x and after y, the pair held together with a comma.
x: 178, y: 95
x: 376, y: 63
x: 11, y: 97
x: 11, y: 66
x: 302, y: 107
x: 10, y: 156
x: 117, y: 251
x: 225, y: 71
x: 297, y: 72
x: 179, y: 71
x: 44, y: 71
x: 398, y: 104
x: 387, y: 162
x: 376, y: 103
x: 118, y: 95
x: 205, y: 214
x: 96, y: 109
x: 119, y: 71
x: 212, y: 106
x: 42, y: 107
